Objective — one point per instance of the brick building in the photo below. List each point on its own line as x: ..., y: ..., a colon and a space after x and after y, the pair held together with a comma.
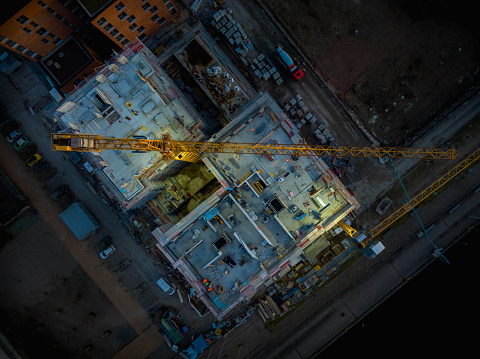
x: 34, y: 28
x: 125, y: 20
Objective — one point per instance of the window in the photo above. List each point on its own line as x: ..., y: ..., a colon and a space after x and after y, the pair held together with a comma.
x: 68, y: 23
x: 131, y: 19
x: 11, y: 43
x: 108, y: 27
x: 42, y: 4
x: 27, y: 30
x: 155, y: 18
x: 141, y: 29
x: 143, y: 37
x: 133, y: 26
x: 34, y: 24
x: 59, y: 17
x: 52, y: 35
x: 21, y: 48
x: 173, y: 11
x: 125, y: 42
x: 120, y: 38
x: 162, y: 21
x: 122, y: 15
x: 114, y: 32
x: 102, y: 21
x: 38, y: 57
x: 120, y: 6
x: 2, y: 39
x: 57, y: 41
x: 154, y: 9
x: 22, y: 19
x: 51, y: 11
x: 146, y: 6
x: 31, y: 53
x: 45, y: 41
x: 41, y: 31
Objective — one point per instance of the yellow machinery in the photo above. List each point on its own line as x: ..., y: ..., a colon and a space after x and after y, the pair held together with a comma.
x: 349, y: 230
x: 190, y: 151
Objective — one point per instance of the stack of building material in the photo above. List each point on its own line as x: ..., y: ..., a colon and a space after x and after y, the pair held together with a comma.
x: 223, y: 21
x: 268, y: 308
x: 264, y: 70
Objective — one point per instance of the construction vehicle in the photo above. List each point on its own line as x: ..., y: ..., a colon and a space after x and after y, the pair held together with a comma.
x: 287, y: 61
x: 191, y: 151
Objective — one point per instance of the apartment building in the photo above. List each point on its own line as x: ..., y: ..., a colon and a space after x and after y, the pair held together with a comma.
x: 34, y: 28
x: 125, y: 20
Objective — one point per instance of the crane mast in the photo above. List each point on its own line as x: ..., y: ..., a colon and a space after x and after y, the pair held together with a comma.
x: 190, y: 150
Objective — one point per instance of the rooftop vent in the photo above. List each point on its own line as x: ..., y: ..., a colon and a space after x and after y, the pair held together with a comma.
x: 114, y: 68
x: 123, y: 60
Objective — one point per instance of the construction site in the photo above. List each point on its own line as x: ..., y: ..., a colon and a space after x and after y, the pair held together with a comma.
x: 229, y: 222
x: 232, y: 175
x: 230, y: 219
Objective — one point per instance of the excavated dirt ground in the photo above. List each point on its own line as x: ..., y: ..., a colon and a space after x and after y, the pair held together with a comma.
x: 395, y: 64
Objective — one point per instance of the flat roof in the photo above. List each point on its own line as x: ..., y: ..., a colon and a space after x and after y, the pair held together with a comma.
x: 291, y: 180
x: 122, y: 105
x: 245, y: 250
x: 79, y: 220
x: 66, y: 61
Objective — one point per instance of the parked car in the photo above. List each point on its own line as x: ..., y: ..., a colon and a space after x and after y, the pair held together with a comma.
x: 107, y: 240
x: 21, y: 143
x: 14, y: 135
x: 34, y: 159
x: 40, y: 166
x: 59, y: 191
x: 108, y: 251
x: 165, y: 285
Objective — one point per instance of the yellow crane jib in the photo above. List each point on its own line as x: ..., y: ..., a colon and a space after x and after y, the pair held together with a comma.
x: 349, y: 230
x: 183, y: 149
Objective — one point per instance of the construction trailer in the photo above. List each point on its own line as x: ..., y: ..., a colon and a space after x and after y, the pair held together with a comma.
x: 79, y: 220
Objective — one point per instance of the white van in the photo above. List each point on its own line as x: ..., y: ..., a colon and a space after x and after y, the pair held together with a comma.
x: 166, y: 286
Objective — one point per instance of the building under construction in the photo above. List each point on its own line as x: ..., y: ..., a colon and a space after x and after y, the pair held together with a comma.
x: 229, y: 223
x: 131, y: 97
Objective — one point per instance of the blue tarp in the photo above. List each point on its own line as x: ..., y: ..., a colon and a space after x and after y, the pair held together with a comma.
x: 200, y: 344
x: 210, y: 214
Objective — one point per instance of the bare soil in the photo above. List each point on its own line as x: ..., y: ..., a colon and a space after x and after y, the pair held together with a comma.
x: 395, y: 64
x: 49, y: 306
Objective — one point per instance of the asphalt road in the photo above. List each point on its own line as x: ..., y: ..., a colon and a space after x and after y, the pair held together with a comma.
x: 25, y: 89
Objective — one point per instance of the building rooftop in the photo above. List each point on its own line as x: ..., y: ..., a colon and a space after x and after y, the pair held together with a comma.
x: 128, y: 98
x: 273, y: 212
x: 66, y: 61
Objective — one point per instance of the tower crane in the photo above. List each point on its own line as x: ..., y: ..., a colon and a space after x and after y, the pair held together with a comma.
x: 365, y: 238
x: 190, y: 151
